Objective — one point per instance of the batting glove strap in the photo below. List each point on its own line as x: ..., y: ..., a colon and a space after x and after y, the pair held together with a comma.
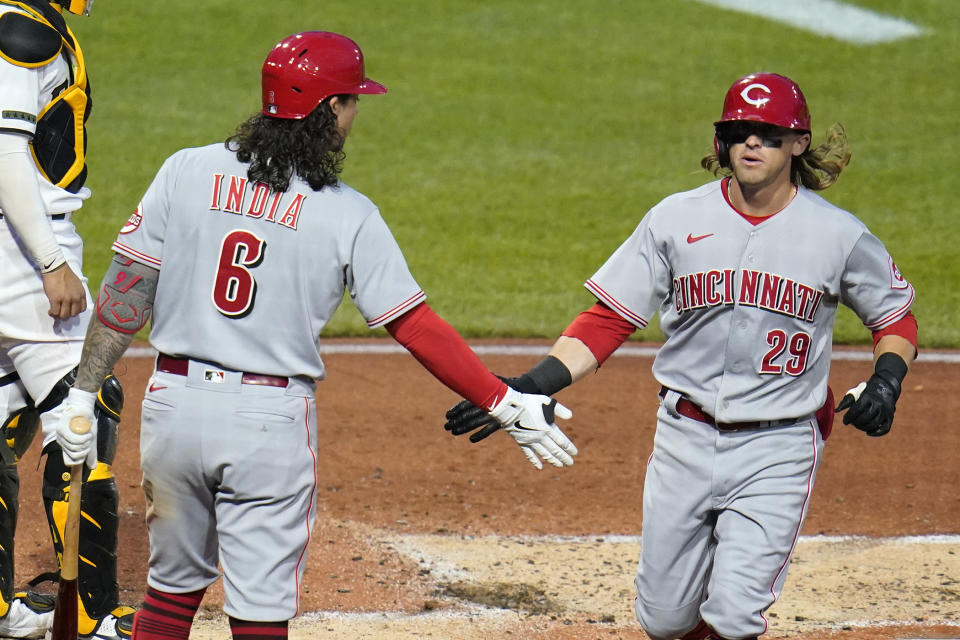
x: 892, y: 367
x: 546, y: 377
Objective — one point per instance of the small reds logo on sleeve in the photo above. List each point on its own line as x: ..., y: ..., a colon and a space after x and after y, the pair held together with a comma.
x: 897, y: 281
x: 133, y: 222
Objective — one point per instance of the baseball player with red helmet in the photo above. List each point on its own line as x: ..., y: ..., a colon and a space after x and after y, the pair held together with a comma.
x: 44, y: 103
x: 240, y: 254
x: 746, y: 273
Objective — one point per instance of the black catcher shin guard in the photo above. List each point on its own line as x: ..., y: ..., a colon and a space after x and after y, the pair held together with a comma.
x: 99, y: 500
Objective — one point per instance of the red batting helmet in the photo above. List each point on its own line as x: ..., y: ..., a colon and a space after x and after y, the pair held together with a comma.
x: 767, y: 97
x: 306, y: 68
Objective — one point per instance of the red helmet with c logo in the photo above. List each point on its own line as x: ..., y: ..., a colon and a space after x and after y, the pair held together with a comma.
x: 306, y: 68
x: 767, y: 97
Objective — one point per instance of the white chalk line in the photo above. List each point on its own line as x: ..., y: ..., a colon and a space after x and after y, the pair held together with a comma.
x: 636, y: 351
x: 931, y: 539
x: 831, y: 18
x: 472, y: 611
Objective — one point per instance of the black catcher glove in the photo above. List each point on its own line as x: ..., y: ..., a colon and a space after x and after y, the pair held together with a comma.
x: 546, y: 378
x: 870, y: 406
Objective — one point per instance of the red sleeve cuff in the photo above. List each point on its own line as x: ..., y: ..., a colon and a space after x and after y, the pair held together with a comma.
x: 905, y: 327
x: 601, y: 329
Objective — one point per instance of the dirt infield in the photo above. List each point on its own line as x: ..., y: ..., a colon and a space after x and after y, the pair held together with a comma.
x: 421, y: 535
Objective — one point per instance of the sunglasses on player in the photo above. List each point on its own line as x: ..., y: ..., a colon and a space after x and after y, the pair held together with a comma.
x: 738, y: 132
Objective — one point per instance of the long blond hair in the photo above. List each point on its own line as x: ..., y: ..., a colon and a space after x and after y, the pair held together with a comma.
x: 817, y: 168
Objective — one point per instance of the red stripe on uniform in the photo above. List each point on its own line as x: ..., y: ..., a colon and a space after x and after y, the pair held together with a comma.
x: 598, y: 291
x: 313, y: 493
x: 119, y: 247
x: 796, y: 534
x: 412, y: 301
x: 893, y: 314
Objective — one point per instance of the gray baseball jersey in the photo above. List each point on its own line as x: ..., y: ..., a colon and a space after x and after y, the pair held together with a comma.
x: 748, y: 310
x: 249, y: 278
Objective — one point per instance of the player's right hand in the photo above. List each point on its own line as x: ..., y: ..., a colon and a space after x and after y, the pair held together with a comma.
x: 78, y: 448
x: 65, y: 292
x: 465, y: 416
x: 529, y: 419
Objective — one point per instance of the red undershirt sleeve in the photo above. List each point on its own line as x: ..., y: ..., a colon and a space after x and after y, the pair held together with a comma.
x: 905, y: 327
x: 442, y: 351
x: 601, y: 329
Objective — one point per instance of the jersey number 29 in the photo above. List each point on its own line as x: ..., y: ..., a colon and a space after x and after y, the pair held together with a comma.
x: 797, y: 346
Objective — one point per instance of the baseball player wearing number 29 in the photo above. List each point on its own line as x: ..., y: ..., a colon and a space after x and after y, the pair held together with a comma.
x: 241, y: 252
x: 746, y: 273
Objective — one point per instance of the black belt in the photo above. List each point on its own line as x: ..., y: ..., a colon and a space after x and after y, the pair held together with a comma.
x: 56, y: 216
x: 692, y: 411
x: 179, y: 366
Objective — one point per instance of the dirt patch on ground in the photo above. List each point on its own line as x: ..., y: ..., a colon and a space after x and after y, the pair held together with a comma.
x: 421, y: 535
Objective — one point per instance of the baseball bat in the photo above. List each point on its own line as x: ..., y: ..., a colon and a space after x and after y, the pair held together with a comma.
x: 65, y: 612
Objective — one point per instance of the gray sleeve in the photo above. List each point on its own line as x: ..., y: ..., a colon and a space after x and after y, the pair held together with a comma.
x: 378, y: 277
x: 872, y: 285
x: 142, y: 237
x: 635, y: 280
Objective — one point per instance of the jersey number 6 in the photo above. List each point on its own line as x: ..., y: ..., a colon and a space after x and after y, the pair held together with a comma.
x: 235, y: 288
x: 797, y: 345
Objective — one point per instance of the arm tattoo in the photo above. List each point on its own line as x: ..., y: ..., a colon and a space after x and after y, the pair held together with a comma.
x: 124, y: 306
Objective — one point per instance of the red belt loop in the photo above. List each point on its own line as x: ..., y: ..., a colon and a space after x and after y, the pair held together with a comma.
x: 180, y: 366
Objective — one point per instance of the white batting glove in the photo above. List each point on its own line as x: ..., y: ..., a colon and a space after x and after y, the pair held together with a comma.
x: 529, y: 419
x: 76, y: 447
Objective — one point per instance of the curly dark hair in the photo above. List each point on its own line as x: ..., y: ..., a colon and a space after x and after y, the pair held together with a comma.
x: 816, y: 169
x: 277, y: 148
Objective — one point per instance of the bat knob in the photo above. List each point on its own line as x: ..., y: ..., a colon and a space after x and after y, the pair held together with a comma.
x: 79, y: 424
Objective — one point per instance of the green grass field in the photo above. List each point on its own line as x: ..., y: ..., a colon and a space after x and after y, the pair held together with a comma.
x: 521, y: 141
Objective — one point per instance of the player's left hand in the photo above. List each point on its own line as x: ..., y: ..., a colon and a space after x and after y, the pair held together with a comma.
x: 870, y: 405
x: 78, y: 448
x: 65, y: 292
x: 465, y: 416
x: 529, y: 419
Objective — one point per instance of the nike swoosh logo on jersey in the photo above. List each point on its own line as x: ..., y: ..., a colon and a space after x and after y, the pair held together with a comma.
x: 692, y: 238
x: 156, y: 387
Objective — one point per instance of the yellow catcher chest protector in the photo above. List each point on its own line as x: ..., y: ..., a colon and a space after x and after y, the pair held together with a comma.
x: 59, y: 144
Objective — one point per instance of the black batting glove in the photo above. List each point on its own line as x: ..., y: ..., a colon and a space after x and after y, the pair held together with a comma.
x: 872, y: 411
x: 545, y: 378
x: 465, y: 416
